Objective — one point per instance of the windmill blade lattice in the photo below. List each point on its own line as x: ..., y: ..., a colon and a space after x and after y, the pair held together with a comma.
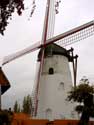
x: 64, y: 39
x: 78, y: 34
x: 21, y: 53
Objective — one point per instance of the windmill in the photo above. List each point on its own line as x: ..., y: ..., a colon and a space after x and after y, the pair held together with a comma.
x: 47, y: 41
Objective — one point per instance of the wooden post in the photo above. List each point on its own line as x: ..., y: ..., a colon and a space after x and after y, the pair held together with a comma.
x: 75, y: 70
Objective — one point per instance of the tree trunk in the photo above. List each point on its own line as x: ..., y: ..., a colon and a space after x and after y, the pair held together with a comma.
x: 84, y: 120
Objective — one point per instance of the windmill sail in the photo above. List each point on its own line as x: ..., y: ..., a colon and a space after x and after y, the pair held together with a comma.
x: 77, y: 34
x: 21, y: 53
x: 48, y: 32
x: 64, y: 39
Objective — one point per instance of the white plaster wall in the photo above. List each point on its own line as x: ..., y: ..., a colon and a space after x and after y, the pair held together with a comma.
x: 51, y: 96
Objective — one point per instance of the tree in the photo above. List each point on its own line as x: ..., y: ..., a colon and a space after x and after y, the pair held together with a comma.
x: 7, y: 7
x: 83, y: 94
x: 16, y: 107
x: 6, y: 117
x: 27, y: 105
x: 19, y: 109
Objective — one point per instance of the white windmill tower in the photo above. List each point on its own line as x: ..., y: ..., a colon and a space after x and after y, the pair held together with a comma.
x: 54, y: 84
x: 54, y: 77
x: 55, y: 80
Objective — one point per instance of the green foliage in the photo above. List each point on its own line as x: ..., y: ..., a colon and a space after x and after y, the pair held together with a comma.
x: 27, y: 105
x: 16, y: 107
x: 79, y: 108
x: 83, y: 94
x: 19, y: 109
x: 6, y: 117
x: 80, y: 93
x: 7, y: 7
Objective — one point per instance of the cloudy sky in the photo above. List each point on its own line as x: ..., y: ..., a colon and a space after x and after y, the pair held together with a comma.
x: 24, y: 31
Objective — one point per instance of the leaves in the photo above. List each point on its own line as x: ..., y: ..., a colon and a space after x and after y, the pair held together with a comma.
x: 27, y: 104
x: 79, y: 108
x: 80, y: 93
x: 6, y: 117
x: 16, y: 107
x: 7, y: 7
x: 83, y: 94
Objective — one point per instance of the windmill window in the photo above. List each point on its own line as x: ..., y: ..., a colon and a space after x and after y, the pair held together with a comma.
x: 61, y: 86
x: 62, y: 116
x: 48, y: 113
x: 51, y: 71
x: 72, y: 114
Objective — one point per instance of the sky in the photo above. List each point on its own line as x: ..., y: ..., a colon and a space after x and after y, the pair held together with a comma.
x: 23, y: 31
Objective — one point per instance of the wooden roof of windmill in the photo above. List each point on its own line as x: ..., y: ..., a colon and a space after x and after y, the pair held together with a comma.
x: 54, y: 49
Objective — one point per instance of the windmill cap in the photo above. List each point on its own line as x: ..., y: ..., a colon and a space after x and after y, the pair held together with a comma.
x: 54, y: 49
